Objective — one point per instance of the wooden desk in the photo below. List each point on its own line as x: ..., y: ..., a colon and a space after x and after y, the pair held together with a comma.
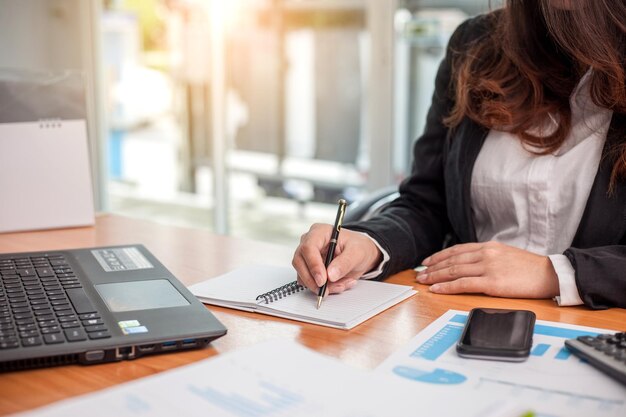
x: 194, y: 255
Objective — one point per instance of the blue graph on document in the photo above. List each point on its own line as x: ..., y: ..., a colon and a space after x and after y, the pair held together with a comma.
x: 448, y: 335
x: 271, y: 400
x: 438, y: 344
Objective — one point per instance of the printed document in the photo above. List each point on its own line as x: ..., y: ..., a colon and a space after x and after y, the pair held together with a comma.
x: 552, y: 382
x: 277, y: 379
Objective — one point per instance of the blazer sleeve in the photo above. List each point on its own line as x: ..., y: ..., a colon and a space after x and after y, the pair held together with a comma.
x: 600, y: 275
x: 415, y: 224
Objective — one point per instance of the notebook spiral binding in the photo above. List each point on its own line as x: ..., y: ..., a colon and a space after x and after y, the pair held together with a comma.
x: 280, y: 292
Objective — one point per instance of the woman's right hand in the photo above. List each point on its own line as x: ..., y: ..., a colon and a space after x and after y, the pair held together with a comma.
x: 355, y: 255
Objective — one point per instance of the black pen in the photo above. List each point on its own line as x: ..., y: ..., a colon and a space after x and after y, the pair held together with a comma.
x: 331, y: 247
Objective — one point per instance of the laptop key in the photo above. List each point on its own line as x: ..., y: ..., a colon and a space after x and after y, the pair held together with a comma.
x: 75, y: 335
x: 43, y: 312
x: 96, y: 328
x: 16, y: 296
x: 53, y: 338
x: 31, y: 341
x: 82, y: 304
x: 51, y: 286
x: 70, y: 324
x: 99, y: 335
x: 45, y: 272
x: 35, y: 297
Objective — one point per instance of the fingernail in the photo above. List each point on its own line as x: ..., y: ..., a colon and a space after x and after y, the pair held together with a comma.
x: 333, y: 274
x: 422, y: 278
x: 435, y: 288
x: 426, y: 261
x: 319, y: 280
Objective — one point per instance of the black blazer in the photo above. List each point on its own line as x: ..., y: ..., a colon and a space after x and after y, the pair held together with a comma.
x: 434, y: 207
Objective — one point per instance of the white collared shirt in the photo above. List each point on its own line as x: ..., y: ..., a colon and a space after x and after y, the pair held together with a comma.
x: 535, y: 202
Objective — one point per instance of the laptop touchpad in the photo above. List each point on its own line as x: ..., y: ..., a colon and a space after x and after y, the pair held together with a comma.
x: 140, y: 295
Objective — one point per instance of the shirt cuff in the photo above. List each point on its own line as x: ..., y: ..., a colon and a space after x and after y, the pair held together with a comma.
x: 379, y: 270
x: 567, y: 281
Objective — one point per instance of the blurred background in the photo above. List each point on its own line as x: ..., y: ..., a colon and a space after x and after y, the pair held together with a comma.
x: 244, y: 117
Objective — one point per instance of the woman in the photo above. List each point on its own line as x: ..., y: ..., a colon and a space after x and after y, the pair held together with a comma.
x: 520, y: 173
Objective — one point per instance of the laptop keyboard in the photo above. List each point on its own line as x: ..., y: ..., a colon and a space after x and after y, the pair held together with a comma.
x: 43, y: 302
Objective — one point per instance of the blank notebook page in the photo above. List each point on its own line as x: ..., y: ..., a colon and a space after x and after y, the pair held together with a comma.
x: 364, y: 297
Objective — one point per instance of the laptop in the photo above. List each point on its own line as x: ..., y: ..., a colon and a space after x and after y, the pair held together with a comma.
x: 95, y: 305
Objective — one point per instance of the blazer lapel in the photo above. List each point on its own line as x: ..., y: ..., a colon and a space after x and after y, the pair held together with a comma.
x: 604, y: 219
x: 465, y: 145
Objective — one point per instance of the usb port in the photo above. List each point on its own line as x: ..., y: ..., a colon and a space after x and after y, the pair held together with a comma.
x: 168, y: 345
x: 187, y: 343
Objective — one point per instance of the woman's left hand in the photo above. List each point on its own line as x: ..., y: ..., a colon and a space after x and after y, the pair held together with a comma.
x: 490, y: 268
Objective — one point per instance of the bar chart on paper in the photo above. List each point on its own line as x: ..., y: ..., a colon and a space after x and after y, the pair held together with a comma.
x: 548, y: 340
x: 552, y: 379
x: 271, y: 400
x: 272, y: 379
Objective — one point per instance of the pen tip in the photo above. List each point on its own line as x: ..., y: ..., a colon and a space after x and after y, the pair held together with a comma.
x: 319, y: 302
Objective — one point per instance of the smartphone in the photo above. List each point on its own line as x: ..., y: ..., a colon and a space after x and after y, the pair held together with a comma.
x: 497, y: 334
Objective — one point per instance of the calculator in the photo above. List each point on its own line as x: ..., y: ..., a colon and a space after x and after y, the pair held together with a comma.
x: 607, y: 352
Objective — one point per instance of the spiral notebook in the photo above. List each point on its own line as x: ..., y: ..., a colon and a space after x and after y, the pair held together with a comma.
x: 273, y: 290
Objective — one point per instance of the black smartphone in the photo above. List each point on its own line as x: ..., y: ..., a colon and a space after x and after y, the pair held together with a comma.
x: 497, y: 334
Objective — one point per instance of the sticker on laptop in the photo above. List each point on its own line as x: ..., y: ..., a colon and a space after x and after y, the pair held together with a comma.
x: 132, y: 327
x: 121, y: 259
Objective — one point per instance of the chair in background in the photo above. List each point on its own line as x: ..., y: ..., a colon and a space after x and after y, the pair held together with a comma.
x: 371, y: 205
